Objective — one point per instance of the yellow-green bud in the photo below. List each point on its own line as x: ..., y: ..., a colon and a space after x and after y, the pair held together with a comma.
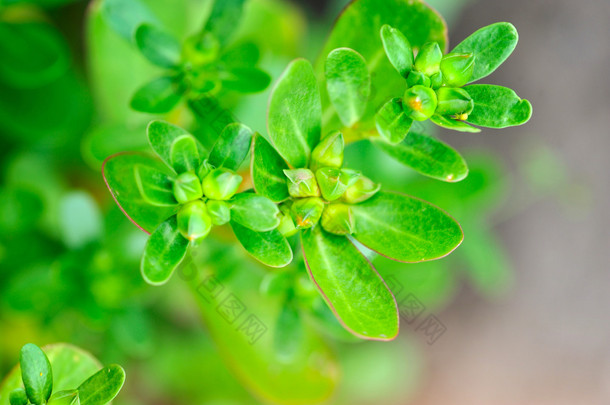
x: 194, y: 221
x: 329, y: 152
x: 333, y: 182
x: 363, y: 189
x: 419, y: 102
x: 200, y: 50
x: 302, y: 183
x: 453, y: 101
x: 416, y: 78
x: 221, y: 184
x: 187, y: 187
x: 219, y: 212
x: 337, y: 218
x: 457, y: 68
x: 428, y: 60
x: 306, y: 212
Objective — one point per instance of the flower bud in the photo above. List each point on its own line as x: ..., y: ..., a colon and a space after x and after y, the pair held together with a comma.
x: 221, y: 184
x: 187, y: 187
x: 194, y: 221
x: 416, y: 78
x: 436, y: 81
x: 429, y: 58
x: 363, y: 189
x: 329, y: 152
x: 219, y: 212
x: 457, y: 68
x: 337, y: 218
x: 302, y: 183
x: 453, y: 101
x: 306, y: 212
x: 200, y: 50
x: 333, y: 182
x: 419, y: 102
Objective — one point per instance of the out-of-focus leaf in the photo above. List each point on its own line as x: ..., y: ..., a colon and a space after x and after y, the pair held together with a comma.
x: 405, y: 228
x: 246, y: 80
x: 125, y: 16
x: 157, y: 46
x: 428, y: 156
x: 158, y: 96
x: 105, y: 140
x: 350, y: 285
x: 164, y: 251
x: 102, y: 387
x: 270, y: 248
x: 232, y: 147
x: 268, y: 171
x: 497, y: 106
x: 20, y: 209
x: 288, y: 331
x: 80, y: 219
x: 255, y: 212
x: 223, y: 19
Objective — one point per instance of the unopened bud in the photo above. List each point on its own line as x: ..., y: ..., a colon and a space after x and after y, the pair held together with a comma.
x: 302, y: 183
x: 286, y: 226
x: 187, y: 187
x: 329, y: 152
x: 219, y: 212
x: 419, y: 102
x: 363, y: 189
x: 221, y: 184
x: 337, y: 218
x: 194, y: 221
x: 428, y: 60
x: 333, y: 182
x: 307, y: 211
x: 416, y: 78
x: 200, y: 50
x: 453, y: 101
x: 457, y: 68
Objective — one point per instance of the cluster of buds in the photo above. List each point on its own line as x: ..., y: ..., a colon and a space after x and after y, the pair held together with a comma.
x: 433, y: 84
x: 199, y: 53
x: 324, y: 192
x: 204, y: 196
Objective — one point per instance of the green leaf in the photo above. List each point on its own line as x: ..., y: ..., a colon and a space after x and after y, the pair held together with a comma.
x: 270, y: 248
x: 404, y: 228
x: 157, y: 46
x: 125, y: 16
x: 232, y: 147
x: 350, y: 285
x: 491, y: 46
x: 161, y: 136
x: 255, y: 212
x: 295, y: 113
x: 246, y: 79
x: 36, y: 373
x: 164, y: 252
x: 288, y: 331
x: 158, y: 96
x: 224, y: 18
x: 155, y: 186
x: 348, y: 83
x: 497, y: 107
x: 184, y: 154
x: 455, y: 125
x: 268, y: 171
x: 80, y: 219
x: 358, y: 28
x: 103, y: 386
x: 66, y: 397
x: 428, y: 156
x: 33, y: 54
x: 392, y: 122
x: 120, y: 175
x: 398, y: 49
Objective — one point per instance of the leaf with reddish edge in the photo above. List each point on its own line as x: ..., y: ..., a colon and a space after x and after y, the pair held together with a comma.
x: 120, y: 177
x: 351, y: 286
x: 405, y: 228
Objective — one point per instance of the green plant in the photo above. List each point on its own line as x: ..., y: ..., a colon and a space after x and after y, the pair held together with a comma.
x: 41, y: 385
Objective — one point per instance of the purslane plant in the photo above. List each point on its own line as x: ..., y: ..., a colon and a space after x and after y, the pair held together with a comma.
x: 38, y: 389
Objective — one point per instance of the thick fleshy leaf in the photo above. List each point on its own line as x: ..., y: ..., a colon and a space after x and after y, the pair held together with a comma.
x: 405, y: 228
x: 255, y: 212
x: 184, y: 154
x: 455, y: 125
x: 497, y: 106
x: 491, y: 46
x: 267, y: 170
x: 161, y: 136
x: 121, y: 178
x: 125, y: 16
x: 270, y: 248
x: 348, y: 83
x: 232, y: 147
x: 155, y: 186
x: 102, y: 387
x: 295, y: 113
x: 36, y: 374
x: 223, y: 19
x: 246, y: 79
x: 358, y: 28
x: 392, y: 122
x: 158, y: 96
x: 350, y: 285
x: 158, y: 46
x: 71, y: 366
x: 164, y: 251
x: 398, y: 49
x: 428, y: 156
